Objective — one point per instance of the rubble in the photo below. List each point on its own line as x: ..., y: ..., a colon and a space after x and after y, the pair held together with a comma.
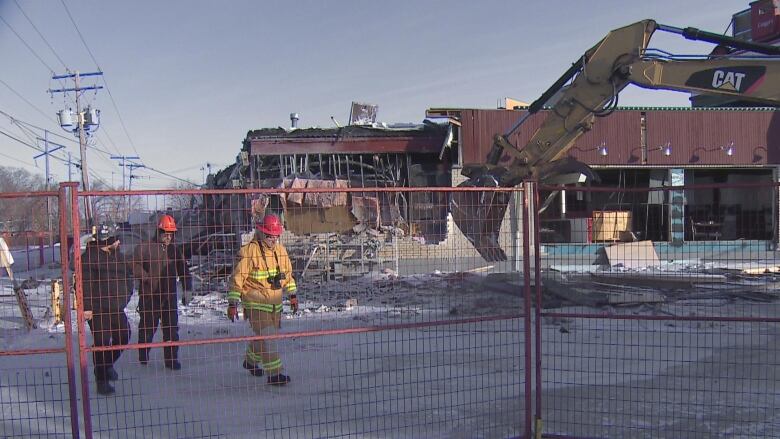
x: 619, y: 277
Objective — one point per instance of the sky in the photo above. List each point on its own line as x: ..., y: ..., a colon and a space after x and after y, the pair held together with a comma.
x: 184, y: 81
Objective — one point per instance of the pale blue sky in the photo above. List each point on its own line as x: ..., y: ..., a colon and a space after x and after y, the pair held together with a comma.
x: 190, y: 78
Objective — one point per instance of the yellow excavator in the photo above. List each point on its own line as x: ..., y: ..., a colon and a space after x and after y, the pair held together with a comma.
x: 590, y: 89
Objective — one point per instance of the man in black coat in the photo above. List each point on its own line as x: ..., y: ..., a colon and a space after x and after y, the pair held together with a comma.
x: 107, y: 284
x: 158, y: 264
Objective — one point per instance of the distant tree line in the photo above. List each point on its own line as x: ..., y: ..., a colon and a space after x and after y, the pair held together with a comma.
x: 23, y: 213
x: 29, y: 212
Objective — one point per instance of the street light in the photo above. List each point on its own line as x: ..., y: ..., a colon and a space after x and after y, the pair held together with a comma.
x: 729, y: 150
x: 602, y: 149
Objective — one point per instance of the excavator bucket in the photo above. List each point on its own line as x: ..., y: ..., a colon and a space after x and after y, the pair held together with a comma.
x: 479, y: 215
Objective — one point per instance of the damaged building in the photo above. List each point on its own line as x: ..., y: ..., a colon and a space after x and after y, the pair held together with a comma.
x: 354, y: 156
x: 637, y: 148
x: 633, y: 148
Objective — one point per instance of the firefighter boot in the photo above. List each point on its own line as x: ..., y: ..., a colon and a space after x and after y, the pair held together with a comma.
x: 278, y: 380
x: 105, y: 388
x: 111, y: 374
x: 173, y: 364
x: 143, y: 356
x: 254, y: 369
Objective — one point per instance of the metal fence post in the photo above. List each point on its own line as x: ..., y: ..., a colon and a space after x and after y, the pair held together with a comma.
x: 76, y: 223
x: 41, y: 257
x: 27, y: 249
x: 526, y: 206
x: 64, y: 257
x: 534, y: 197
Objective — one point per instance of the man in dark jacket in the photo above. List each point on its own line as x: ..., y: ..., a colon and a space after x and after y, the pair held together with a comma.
x: 107, y: 286
x: 158, y: 264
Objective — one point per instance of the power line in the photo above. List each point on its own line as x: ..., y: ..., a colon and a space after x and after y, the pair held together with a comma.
x: 110, y: 141
x: 103, y: 151
x: 26, y: 131
x: 34, y: 137
x: 56, y: 135
x: 26, y: 45
x: 37, y: 127
x: 108, y: 90
x: 119, y: 116
x: 27, y: 101
x: 17, y: 121
x: 171, y: 176
x: 17, y: 160
x: 35, y: 147
x: 63, y: 63
x: 30, y: 135
x: 41, y: 35
x: 80, y: 36
x: 49, y: 118
x: 95, y: 176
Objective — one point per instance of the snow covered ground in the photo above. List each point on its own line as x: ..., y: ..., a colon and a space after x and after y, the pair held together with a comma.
x: 601, y: 377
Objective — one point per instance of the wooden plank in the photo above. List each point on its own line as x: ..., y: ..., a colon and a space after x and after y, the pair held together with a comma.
x: 608, y: 224
x: 56, y: 300
x: 24, y: 308
x: 640, y: 254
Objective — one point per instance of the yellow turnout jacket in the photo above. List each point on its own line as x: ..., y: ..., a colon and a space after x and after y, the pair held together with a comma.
x: 250, y: 282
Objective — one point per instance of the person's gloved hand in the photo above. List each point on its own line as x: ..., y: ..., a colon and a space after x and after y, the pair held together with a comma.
x: 294, y: 303
x: 232, y: 312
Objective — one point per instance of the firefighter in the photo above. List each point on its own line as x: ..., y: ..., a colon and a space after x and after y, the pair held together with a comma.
x: 261, y: 273
x: 107, y: 281
x: 158, y: 264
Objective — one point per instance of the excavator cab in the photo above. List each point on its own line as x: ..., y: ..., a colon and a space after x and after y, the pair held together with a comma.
x: 590, y: 89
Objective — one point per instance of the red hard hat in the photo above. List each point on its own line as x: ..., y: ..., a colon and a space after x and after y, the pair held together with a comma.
x: 167, y: 224
x: 271, y: 225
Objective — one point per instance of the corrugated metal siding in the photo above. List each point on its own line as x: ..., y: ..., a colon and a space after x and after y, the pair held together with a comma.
x: 429, y: 144
x: 692, y: 132
x: 620, y: 132
x: 479, y: 126
x: 697, y: 138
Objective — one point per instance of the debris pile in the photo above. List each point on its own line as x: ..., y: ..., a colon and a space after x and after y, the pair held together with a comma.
x: 632, y: 274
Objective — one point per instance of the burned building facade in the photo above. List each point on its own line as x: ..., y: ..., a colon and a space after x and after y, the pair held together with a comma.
x: 356, y: 157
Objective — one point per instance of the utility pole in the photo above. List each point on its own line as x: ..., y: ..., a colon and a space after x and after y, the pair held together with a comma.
x: 67, y: 123
x: 125, y: 165
x: 45, y: 155
x: 205, y: 175
x: 132, y: 167
x: 70, y: 163
x: 47, y: 152
x: 125, y: 158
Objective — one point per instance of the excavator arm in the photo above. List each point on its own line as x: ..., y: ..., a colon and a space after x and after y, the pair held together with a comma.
x: 589, y: 89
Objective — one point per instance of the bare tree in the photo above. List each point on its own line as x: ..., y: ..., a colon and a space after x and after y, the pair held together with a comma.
x: 182, y: 201
x: 26, y: 212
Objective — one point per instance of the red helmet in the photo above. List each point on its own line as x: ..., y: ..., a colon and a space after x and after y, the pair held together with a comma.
x: 167, y: 224
x: 271, y: 225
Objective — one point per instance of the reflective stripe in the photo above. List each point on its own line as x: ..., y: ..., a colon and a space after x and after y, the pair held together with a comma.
x: 265, y: 307
x: 253, y: 357
x: 291, y: 286
x: 234, y: 296
x: 262, y: 274
x: 276, y: 364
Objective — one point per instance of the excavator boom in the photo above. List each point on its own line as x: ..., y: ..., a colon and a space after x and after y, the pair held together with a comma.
x: 590, y: 88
